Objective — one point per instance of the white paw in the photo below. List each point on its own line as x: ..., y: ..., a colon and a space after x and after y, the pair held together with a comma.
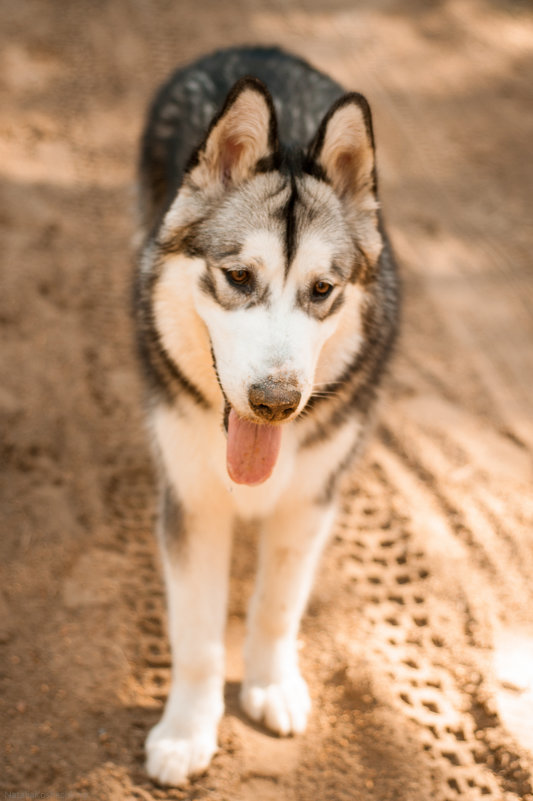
x: 283, y: 706
x: 172, y: 760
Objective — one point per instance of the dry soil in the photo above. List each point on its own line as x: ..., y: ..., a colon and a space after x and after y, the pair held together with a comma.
x: 418, y: 641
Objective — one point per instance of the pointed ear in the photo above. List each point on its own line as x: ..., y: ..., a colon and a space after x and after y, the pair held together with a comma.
x: 240, y: 136
x: 344, y: 150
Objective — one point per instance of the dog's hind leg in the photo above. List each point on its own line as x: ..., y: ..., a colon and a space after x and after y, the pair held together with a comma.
x: 273, y: 690
x: 196, y: 541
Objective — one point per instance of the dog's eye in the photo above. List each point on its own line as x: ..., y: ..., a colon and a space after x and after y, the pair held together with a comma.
x: 321, y: 289
x: 238, y: 277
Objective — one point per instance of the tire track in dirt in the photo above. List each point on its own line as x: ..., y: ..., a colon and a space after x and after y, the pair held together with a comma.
x: 422, y: 652
x: 437, y: 679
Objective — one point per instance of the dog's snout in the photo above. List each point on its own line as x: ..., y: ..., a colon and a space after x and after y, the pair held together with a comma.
x: 274, y: 401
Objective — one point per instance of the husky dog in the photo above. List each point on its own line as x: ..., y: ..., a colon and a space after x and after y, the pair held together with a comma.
x: 266, y: 306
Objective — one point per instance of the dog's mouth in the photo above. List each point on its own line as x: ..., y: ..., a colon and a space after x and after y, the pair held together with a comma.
x: 252, y: 448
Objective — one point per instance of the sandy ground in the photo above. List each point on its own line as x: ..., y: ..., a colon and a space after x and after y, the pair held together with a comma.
x: 418, y: 642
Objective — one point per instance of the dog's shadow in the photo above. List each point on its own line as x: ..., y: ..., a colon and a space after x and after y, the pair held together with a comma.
x: 232, y: 690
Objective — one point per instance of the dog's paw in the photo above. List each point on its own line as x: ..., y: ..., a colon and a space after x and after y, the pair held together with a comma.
x: 283, y: 706
x: 172, y: 760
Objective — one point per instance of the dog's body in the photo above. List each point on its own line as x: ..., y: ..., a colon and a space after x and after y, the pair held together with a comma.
x: 266, y: 306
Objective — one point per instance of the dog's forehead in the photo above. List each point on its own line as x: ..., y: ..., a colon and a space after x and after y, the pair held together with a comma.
x: 247, y: 210
x: 276, y: 218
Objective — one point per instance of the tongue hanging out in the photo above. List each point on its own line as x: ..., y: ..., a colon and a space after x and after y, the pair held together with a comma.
x: 252, y: 450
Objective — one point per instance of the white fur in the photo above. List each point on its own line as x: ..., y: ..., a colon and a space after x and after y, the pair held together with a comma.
x: 192, y: 447
x: 250, y: 345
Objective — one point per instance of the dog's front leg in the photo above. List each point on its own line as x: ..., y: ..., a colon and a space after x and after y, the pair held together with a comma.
x: 196, y: 549
x: 273, y: 690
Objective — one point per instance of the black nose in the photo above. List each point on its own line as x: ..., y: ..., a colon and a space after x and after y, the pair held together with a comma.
x: 274, y: 401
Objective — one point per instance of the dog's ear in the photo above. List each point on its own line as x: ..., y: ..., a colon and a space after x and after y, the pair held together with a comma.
x: 343, y: 148
x: 243, y: 134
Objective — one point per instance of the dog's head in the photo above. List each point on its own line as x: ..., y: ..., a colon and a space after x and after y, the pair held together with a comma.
x: 280, y: 245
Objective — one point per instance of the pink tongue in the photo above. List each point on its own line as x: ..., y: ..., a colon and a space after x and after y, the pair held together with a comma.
x: 252, y: 450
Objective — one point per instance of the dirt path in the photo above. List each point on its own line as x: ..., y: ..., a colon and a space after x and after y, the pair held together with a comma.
x: 418, y: 643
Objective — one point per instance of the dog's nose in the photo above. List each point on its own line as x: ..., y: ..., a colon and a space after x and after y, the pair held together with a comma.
x: 273, y: 401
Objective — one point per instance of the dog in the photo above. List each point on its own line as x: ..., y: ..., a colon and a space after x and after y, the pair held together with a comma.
x: 266, y: 305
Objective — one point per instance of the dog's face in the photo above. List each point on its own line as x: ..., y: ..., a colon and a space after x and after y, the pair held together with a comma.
x: 279, y: 248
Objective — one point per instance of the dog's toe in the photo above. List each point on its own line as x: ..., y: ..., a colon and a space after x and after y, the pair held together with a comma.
x: 282, y: 706
x: 172, y: 760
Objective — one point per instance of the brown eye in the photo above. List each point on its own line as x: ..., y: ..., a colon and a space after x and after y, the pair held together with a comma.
x: 238, y: 277
x: 321, y: 289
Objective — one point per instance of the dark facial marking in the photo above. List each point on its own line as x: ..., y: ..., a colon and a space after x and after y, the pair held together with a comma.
x: 262, y: 296
x: 335, y: 306
x: 207, y: 284
x: 290, y: 225
x: 294, y: 164
x: 179, y: 377
x: 225, y: 417
x: 161, y: 369
x: 215, y: 368
x: 208, y: 287
x: 318, y: 308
